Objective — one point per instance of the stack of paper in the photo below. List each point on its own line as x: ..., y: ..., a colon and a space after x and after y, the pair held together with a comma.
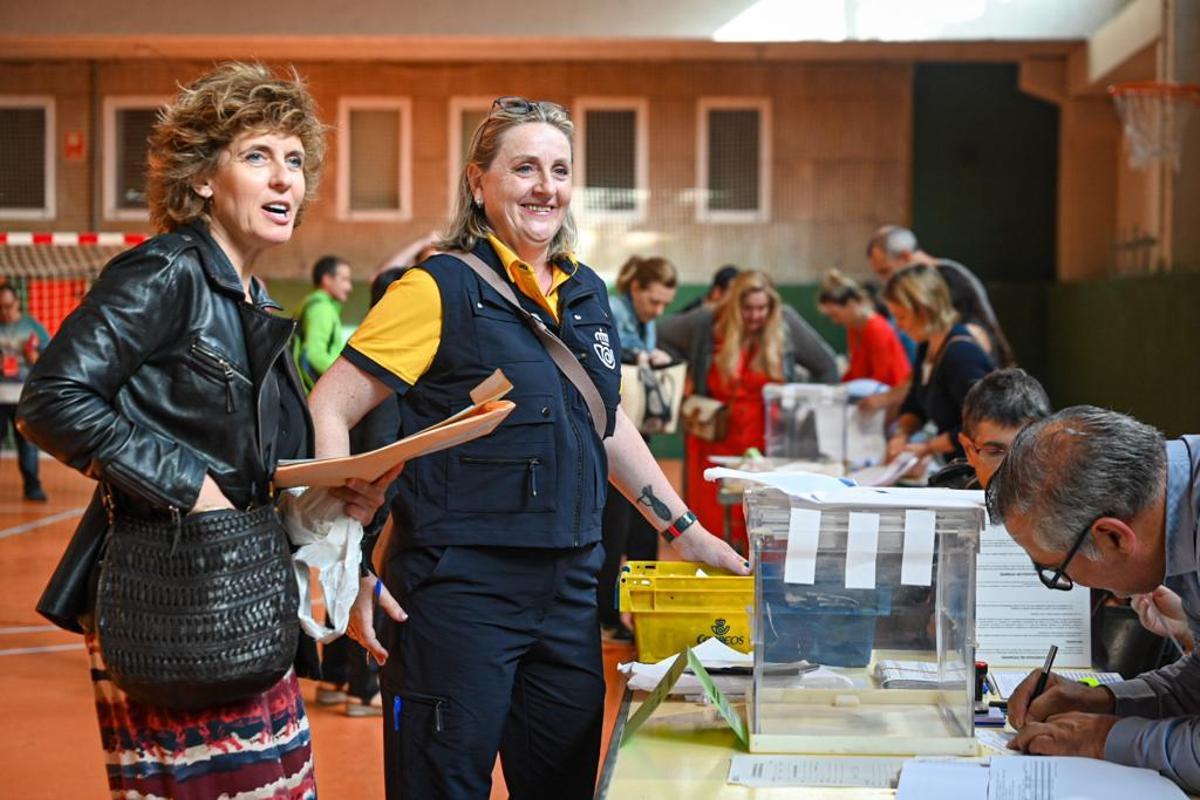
x: 718, y: 658
x: 917, y: 675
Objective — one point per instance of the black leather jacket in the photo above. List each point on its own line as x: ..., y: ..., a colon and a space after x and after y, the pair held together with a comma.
x: 161, y: 375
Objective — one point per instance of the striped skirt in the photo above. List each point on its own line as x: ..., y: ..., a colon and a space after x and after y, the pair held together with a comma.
x: 252, y: 749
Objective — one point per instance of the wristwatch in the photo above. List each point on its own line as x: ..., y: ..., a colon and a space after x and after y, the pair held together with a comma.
x: 676, y: 528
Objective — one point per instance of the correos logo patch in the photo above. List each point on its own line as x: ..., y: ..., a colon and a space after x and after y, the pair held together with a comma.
x: 721, y: 629
x: 604, y: 350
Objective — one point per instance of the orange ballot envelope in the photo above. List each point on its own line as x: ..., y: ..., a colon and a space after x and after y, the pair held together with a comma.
x: 482, y: 417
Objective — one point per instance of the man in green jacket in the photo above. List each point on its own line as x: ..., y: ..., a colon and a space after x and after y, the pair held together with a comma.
x: 319, y: 334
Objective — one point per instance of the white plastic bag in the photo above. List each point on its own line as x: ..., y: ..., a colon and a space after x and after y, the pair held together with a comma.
x: 329, y: 542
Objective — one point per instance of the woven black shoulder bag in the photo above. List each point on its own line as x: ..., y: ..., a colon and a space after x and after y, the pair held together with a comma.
x: 197, y: 612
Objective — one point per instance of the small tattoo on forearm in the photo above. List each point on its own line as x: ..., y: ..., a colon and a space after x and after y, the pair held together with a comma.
x: 659, y: 508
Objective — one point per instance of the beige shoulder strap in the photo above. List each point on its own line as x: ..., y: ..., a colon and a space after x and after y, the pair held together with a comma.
x: 562, y: 356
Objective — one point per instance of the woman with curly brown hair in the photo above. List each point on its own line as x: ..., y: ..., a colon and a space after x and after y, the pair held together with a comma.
x: 170, y: 386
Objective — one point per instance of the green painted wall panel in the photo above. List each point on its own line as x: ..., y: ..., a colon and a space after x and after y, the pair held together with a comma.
x: 1128, y: 344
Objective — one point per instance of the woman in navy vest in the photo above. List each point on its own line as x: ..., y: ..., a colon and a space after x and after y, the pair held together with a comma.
x: 490, y: 640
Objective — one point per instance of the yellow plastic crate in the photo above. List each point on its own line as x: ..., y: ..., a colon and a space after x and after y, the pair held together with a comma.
x: 673, y: 608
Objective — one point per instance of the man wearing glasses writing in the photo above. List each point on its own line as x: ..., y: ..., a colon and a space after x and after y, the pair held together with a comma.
x: 1100, y: 499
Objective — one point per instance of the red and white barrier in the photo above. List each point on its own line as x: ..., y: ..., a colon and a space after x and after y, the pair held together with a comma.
x: 68, y: 239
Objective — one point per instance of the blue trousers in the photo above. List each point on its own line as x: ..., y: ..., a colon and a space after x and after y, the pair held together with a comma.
x: 27, y: 454
x: 500, y: 653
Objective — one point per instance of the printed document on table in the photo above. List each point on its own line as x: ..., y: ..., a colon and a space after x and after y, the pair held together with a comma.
x: 943, y: 780
x: 875, y: 772
x: 1062, y: 778
x: 1007, y: 680
x: 1017, y: 618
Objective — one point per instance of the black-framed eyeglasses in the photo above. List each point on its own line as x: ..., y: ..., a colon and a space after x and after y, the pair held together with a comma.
x: 988, y: 451
x: 517, y: 104
x: 1058, y: 579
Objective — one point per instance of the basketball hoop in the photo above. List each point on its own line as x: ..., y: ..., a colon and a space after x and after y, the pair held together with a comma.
x: 1154, y: 115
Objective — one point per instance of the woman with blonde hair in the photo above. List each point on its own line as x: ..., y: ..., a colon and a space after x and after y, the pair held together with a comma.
x: 491, y: 640
x: 874, y: 348
x: 949, y: 358
x: 750, y: 340
x: 171, y: 386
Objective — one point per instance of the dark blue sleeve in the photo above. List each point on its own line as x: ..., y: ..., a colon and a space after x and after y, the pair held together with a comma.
x: 912, y: 402
x: 963, y: 364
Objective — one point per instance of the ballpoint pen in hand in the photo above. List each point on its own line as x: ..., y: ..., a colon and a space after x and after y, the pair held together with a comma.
x: 1045, y: 676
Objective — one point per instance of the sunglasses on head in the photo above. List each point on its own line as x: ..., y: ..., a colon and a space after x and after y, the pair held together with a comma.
x: 516, y: 104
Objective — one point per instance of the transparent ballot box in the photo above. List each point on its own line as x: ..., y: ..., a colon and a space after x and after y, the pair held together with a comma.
x: 815, y: 422
x: 864, y: 620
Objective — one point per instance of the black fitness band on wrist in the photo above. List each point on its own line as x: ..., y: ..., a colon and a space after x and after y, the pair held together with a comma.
x: 676, y: 528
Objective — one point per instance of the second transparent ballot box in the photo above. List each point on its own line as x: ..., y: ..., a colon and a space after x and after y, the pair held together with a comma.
x: 864, y: 620
x: 815, y: 422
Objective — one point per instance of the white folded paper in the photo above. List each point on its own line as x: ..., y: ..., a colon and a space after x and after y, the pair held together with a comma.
x: 827, y: 492
x: 792, y: 483
x: 715, y: 654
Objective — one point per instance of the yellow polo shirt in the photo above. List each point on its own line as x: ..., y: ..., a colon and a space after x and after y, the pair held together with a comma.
x: 401, y: 334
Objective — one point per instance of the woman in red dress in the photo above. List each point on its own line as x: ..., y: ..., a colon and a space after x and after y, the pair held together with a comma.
x: 733, y: 352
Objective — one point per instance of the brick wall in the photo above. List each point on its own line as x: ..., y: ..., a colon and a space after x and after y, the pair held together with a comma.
x: 840, y: 144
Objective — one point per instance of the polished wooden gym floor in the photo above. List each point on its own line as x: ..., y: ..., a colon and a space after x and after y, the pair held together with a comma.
x: 52, y: 745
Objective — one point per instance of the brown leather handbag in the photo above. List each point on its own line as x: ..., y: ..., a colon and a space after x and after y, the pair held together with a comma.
x: 705, y: 418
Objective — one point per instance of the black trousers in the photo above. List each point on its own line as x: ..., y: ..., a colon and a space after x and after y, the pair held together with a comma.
x: 500, y: 653
x: 626, y: 533
x: 27, y: 454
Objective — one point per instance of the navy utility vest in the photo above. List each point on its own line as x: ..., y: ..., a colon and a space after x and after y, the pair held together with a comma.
x: 539, y: 480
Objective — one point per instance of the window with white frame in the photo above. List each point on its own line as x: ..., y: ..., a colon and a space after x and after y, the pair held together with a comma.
x: 27, y: 157
x: 374, y: 158
x: 733, y: 157
x: 466, y: 115
x: 611, y: 156
x: 127, y: 125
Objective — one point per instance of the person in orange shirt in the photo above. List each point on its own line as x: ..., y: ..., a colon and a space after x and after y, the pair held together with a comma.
x: 875, y: 349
